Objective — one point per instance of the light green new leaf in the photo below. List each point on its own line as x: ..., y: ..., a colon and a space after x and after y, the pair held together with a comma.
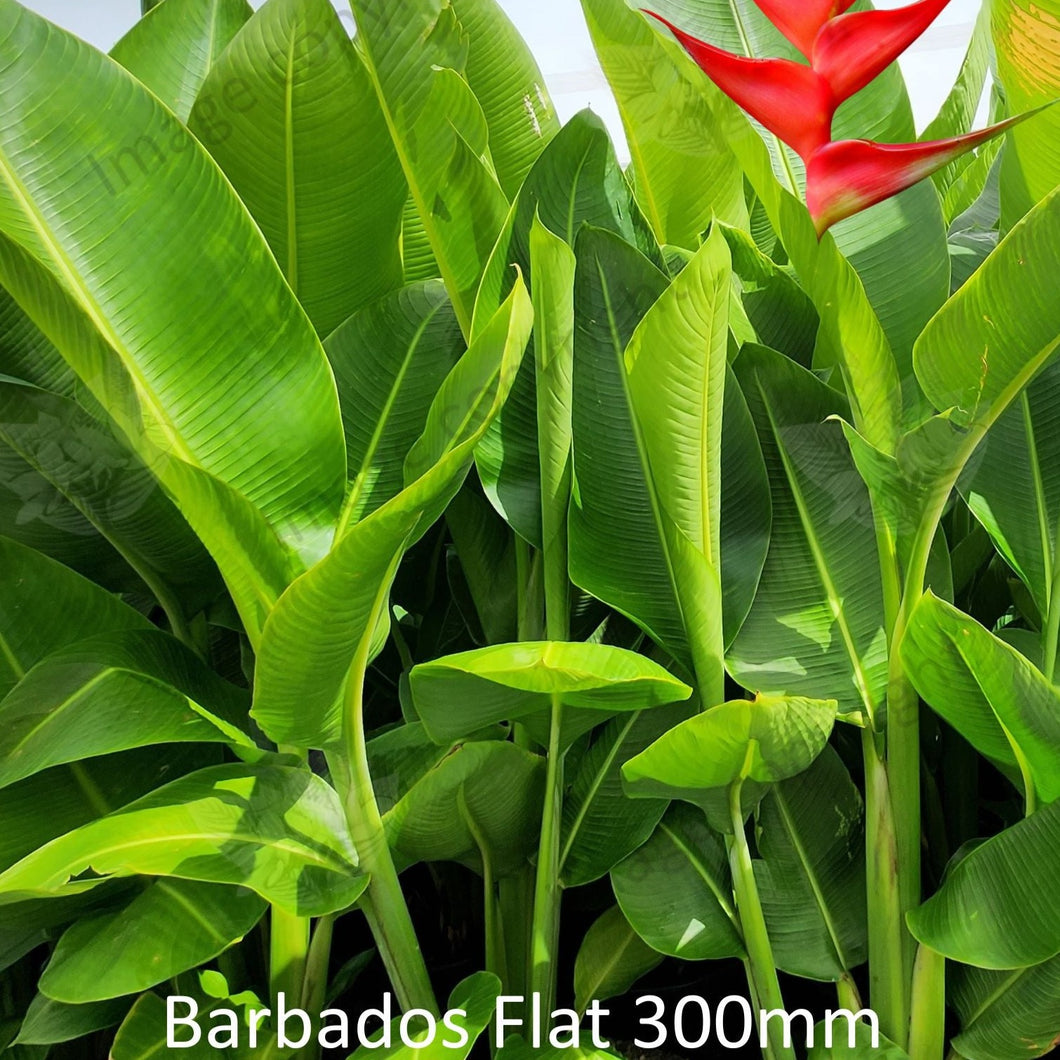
x: 811, y: 872
x: 171, y: 926
x: 576, y: 181
x: 995, y: 908
x: 480, y: 806
x: 50, y: 1022
x: 172, y: 51
x: 612, y: 957
x: 1007, y: 1014
x: 418, y: 53
x: 676, y: 366
x: 463, y: 693
x: 476, y: 997
x: 600, y: 824
x: 990, y: 693
x: 769, y: 739
x: 816, y: 627
x: 80, y: 457
x: 1026, y: 35
x: 278, y: 830
x: 683, y: 171
x: 507, y: 82
x: 114, y: 692
x: 306, y: 146
x: 389, y: 360
x: 46, y: 606
x: 676, y: 892
x: 86, y: 250
x: 330, y: 615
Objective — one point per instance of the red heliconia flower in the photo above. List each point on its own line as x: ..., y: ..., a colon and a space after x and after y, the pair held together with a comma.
x: 797, y: 102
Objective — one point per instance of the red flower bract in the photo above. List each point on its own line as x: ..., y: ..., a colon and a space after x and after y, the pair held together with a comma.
x: 797, y: 102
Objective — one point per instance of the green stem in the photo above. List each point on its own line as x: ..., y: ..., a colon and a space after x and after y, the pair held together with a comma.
x: 495, y: 961
x: 515, y: 910
x: 927, y: 1029
x: 847, y: 993
x: 1051, y: 634
x: 288, y: 949
x: 315, y: 985
x: 383, y: 902
x: 547, y: 890
x: 756, y: 937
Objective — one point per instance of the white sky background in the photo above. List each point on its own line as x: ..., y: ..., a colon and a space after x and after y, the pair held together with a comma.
x: 556, y: 33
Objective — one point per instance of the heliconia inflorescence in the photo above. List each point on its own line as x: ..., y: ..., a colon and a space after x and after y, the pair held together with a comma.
x: 797, y: 102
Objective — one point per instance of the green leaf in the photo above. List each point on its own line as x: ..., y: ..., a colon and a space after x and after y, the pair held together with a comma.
x: 612, y: 957
x: 683, y: 171
x: 1007, y: 1014
x: 290, y: 114
x: 601, y: 825
x: 462, y: 693
x: 990, y: 693
x: 480, y: 804
x: 331, y: 613
x: 417, y: 53
x: 476, y: 997
x: 171, y: 926
x: 50, y: 1022
x: 863, y: 1048
x: 112, y: 693
x: 27, y: 354
x: 389, y: 360
x: 45, y: 606
x: 172, y: 51
x: 816, y: 627
x: 507, y: 82
x: 811, y: 872
x: 685, y: 861
x: 278, y: 830
x: 766, y: 740
x: 994, y: 909
x: 1024, y: 41
x: 576, y: 181
x: 111, y: 487
x: 1013, y: 484
x: 83, y: 257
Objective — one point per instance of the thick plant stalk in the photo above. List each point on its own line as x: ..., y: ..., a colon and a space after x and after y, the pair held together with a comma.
x: 384, y: 902
x: 756, y: 937
x: 288, y: 949
x: 315, y: 983
x: 927, y: 1028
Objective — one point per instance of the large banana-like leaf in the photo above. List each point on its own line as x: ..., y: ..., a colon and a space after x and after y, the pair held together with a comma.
x: 27, y: 354
x: 171, y: 926
x: 116, y: 246
x: 683, y: 864
x: 508, y: 84
x: 306, y: 145
x: 1025, y: 39
x: 108, y: 484
x: 990, y: 693
x: 480, y: 806
x: 111, y: 693
x: 884, y: 244
x: 816, y: 627
x: 1007, y: 1014
x: 619, y: 548
x: 684, y: 173
x: 330, y: 615
x: 461, y: 694
x: 576, y: 181
x: 50, y: 1022
x: 995, y: 908
x: 611, y: 958
x: 172, y: 51
x: 418, y: 53
x: 45, y: 606
x: 389, y: 360
x: 278, y: 830
x: 811, y: 872
x: 601, y: 825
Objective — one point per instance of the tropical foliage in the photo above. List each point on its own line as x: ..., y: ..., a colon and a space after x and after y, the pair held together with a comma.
x: 438, y: 559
